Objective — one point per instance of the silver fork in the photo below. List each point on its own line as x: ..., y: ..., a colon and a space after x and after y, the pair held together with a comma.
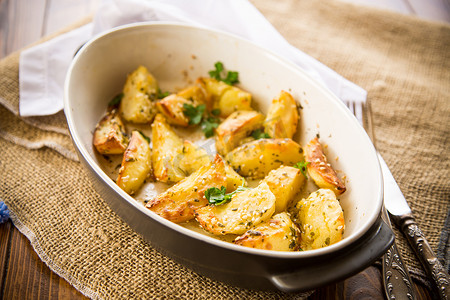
x: 396, y: 280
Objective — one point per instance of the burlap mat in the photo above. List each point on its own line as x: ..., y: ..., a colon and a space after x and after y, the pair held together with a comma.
x: 403, y: 62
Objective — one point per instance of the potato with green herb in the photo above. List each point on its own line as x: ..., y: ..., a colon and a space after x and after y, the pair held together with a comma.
x: 279, y: 234
x: 167, y: 145
x: 226, y: 98
x: 109, y: 135
x: 256, y: 159
x: 321, y: 220
x: 191, y: 158
x: 177, y: 203
x: 136, y: 163
x: 282, y: 117
x: 139, y: 93
x: 284, y: 182
x: 320, y: 170
x: 173, y: 106
x: 245, y: 210
x: 236, y: 127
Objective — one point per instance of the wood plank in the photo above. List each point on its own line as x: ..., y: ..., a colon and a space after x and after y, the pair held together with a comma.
x: 5, y: 247
x: 21, y: 23
x: 393, y: 5
x: 29, y: 278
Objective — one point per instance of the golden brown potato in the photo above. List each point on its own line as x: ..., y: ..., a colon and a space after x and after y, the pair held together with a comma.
x: 320, y: 170
x: 139, y: 92
x: 166, y: 147
x: 284, y: 182
x: 109, y: 135
x: 234, y: 180
x: 236, y: 127
x: 282, y: 117
x: 136, y: 164
x: 172, y: 106
x: 256, y: 159
x: 226, y: 97
x: 191, y: 158
x: 321, y: 220
x: 245, y: 210
x: 178, y: 203
x: 279, y: 234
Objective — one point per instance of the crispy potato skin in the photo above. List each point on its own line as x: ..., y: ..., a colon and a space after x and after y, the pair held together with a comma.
x: 256, y: 159
x: 282, y: 117
x: 178, y: 203
x: 166, y: 147
x: 139, y: 91
x: 172, y: 106
x: 236, y: 127
x: 320, y: 170
x: 279, y: 234
x: 245, y: 210
x: 109, y: 135
x: 136, y: 164
x: 321, y: 218
x: 226, y: 97
x: 284, y: 182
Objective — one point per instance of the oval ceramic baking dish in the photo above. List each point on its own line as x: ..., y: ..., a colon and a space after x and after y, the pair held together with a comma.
x: 175, y: 54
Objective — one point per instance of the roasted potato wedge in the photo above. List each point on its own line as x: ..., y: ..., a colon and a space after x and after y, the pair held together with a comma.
x: 284, y: 182
x: 282, y: 117
x: 321, y: 220
x: 279, y: 233
x: 234, y: 180
x: 226, y: 97
x: 245, y: 210
x: 109, y: 135
x: 178, y: 203
x: 139, y: 92
x: 320, y: 170
x: 172, y: 106
x: 256, y: 159
x: 191, y: 158
x: 236, y: 127
x: 136, y: 164
x: 166, y: 147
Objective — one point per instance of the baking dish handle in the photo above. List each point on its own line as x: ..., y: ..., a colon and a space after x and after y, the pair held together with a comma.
x: 355, y: 260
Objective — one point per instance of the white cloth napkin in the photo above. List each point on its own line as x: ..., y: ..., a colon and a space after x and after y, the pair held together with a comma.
x: 42, y: 68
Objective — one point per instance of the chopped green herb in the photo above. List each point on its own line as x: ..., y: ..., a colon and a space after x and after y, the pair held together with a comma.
x: 231, y: 78
x: 144, y: 136
x: 215, y: 112
x: 218, y: 196
x: 162, y: 94
x: 208, y: 125
x: 194, y: 113
x: 259, y: 134
x: 116, y: 100
x: 302, y: 166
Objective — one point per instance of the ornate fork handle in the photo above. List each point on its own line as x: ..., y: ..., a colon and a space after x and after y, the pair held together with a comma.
x: 423, y: 250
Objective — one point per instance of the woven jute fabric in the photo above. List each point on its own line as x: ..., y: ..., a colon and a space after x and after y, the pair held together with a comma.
x: 403, y: 63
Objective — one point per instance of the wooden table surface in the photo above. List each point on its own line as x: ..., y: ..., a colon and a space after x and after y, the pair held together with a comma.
x: 22, y: 274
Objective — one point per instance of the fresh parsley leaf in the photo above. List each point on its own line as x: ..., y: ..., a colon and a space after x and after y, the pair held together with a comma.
x: 162, y: 94
x: 208, y: 126
x: 259, y: 134
x: 302, y: 166
x: 194, y: 113
x: 231, y: 78
x: 218, y: 196
x: 116, y: 100
x: 215, y: 112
